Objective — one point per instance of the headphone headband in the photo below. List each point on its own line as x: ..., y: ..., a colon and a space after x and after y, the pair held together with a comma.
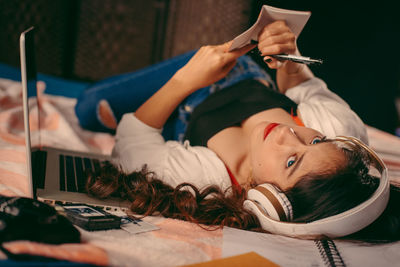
x: 341, y: 224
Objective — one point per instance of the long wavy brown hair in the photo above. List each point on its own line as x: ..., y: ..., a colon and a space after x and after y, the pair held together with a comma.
x: 149, y: 196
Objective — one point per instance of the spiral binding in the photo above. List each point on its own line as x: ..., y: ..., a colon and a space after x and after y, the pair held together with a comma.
x: 329, y: 253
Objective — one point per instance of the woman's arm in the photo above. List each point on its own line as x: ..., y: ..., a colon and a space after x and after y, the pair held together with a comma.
x: 276, y: 38
x: 208, y: 65
x: 323, y: 110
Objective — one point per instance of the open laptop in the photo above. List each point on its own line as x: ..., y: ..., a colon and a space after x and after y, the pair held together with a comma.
x: 55, y: 175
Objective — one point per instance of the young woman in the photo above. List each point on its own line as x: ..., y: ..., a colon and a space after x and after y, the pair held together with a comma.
x: 237, y: 132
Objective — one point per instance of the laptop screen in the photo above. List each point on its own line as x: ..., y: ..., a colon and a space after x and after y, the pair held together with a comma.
x: 29, y: 97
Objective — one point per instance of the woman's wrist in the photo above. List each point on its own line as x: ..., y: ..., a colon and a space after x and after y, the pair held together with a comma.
x: 291, y: 75
x: 157, y: 109
x: 181, y: 80
x: 292, y: 68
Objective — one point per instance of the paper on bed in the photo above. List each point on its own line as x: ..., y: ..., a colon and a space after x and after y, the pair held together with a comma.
x: 284, y: 251
x: 136, y: 226
x: 296, y: 20
x: 133, y: 226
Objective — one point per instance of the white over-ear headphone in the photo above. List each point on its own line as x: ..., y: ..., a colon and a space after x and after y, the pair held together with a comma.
x: 272, y: 201
x: 274, y: 210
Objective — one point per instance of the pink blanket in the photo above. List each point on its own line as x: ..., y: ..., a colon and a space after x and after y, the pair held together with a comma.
x: 59, y: 128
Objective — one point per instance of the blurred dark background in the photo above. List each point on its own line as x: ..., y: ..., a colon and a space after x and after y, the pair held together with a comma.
x: 88, y: 40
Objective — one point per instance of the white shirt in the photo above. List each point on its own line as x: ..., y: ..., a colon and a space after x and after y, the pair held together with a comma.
x: 138, y: 144
x: 325, y: 111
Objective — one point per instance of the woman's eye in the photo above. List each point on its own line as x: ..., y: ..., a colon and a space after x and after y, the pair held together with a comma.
x: 316, y: 140
x: 291, y: 161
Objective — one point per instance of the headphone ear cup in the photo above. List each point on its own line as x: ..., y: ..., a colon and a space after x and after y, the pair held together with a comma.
x: 272, y: 201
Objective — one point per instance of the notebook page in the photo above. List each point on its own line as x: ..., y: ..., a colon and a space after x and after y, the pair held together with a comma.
x: 296, y: 20
x: 355, y: 254
x: 281, y: 250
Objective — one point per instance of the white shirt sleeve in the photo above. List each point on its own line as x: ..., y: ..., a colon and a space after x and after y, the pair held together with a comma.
x: 138, y: 144
x: 323, y: 110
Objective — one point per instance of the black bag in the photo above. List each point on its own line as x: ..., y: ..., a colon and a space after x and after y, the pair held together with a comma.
x: 29, y: 219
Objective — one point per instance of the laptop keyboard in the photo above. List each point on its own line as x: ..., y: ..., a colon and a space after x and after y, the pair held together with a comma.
x: 72, y: 172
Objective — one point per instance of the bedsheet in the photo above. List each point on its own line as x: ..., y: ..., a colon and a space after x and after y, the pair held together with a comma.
x: 176, y: 243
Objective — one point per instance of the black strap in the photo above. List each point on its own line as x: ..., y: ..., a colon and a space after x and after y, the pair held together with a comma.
x: 230, y: 106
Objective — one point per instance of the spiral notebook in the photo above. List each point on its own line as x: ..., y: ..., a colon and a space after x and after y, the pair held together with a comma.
x: 286, y: 251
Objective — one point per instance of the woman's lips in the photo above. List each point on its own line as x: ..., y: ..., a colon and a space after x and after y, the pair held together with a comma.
x: 269, y: 128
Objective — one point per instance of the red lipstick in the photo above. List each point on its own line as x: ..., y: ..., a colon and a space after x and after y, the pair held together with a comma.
x: 269, y: 128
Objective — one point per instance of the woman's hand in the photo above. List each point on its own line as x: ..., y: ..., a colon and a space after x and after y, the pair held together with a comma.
x: 209, y: 65
x: 277, y: 38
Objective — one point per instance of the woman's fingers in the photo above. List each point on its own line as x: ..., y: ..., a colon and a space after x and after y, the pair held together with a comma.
x: 274, y: 49
x: 276, y: 38
x: 241, y: 51
x: 233, y: 55
x: 274, y: 28
x: 225, y: 47
x: 272, y: 62
x: 285, y: 37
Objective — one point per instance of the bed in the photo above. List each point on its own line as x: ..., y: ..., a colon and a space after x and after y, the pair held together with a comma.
x: 176, y: 243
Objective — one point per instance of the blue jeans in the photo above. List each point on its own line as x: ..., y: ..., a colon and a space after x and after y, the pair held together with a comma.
x: 126, y: 92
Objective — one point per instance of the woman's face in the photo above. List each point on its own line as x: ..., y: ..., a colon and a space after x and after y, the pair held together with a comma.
x: 281, y: 154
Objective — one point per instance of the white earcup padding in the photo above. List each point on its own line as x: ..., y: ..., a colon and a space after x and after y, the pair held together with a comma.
x: 272, y: 201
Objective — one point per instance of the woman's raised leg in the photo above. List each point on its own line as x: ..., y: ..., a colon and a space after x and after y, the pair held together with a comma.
x: 124, y: 93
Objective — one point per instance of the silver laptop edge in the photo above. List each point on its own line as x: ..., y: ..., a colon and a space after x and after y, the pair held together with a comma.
x: 24, y: 81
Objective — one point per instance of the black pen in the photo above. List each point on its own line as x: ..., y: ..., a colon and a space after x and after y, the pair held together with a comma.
x: 294, y: 58
x: 298, y: 59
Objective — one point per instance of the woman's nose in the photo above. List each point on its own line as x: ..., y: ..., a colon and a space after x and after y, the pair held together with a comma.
x: 286, y: 136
